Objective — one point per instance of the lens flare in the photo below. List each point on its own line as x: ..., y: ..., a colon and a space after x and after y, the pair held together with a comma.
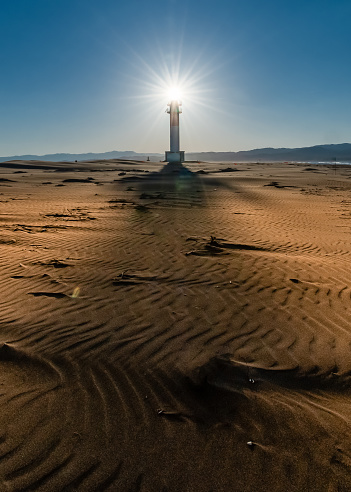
x: 76, y: 292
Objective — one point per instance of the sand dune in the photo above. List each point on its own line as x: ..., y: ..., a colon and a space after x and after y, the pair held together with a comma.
x: 171, y: 328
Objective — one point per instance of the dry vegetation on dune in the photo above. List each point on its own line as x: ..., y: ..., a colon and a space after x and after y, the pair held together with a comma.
x: 175, y: 329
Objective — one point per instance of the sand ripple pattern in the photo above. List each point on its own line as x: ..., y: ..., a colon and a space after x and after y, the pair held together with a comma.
x: 155, y: 330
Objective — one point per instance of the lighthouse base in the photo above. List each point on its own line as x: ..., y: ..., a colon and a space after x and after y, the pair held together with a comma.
x: 175, y: 156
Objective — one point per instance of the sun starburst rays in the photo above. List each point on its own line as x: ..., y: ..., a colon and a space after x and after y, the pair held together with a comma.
x: 161, y: 74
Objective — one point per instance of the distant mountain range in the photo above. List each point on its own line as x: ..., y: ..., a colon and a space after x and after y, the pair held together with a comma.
x: 324, y: 153
x: 90, y: 156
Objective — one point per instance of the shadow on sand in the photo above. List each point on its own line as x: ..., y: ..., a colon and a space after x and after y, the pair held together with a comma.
x: 173, y: 177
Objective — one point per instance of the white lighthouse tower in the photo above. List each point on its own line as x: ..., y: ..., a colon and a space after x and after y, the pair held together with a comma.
x: 174, y: 154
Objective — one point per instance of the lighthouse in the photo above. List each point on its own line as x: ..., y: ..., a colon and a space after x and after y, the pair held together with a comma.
x: 174, y: 154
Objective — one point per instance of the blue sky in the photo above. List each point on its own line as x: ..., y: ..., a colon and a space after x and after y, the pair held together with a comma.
x: 92, y: 75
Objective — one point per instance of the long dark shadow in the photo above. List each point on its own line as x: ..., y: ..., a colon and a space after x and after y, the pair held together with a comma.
x: 173, y: 177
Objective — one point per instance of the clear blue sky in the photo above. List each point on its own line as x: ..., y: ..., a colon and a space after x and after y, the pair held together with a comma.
x: 91, y: 75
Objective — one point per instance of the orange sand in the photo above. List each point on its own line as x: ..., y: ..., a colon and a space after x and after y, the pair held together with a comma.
x: 175, y: 331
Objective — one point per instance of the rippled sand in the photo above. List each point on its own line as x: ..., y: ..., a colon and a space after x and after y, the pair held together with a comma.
x: 165, y: 329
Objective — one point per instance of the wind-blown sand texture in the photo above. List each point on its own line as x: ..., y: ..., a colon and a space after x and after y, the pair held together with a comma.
x: 165, y: 329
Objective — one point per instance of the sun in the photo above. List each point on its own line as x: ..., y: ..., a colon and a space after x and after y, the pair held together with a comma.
x: 174, y: 93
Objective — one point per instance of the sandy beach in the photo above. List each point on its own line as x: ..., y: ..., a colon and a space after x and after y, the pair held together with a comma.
x: 175, y: 328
